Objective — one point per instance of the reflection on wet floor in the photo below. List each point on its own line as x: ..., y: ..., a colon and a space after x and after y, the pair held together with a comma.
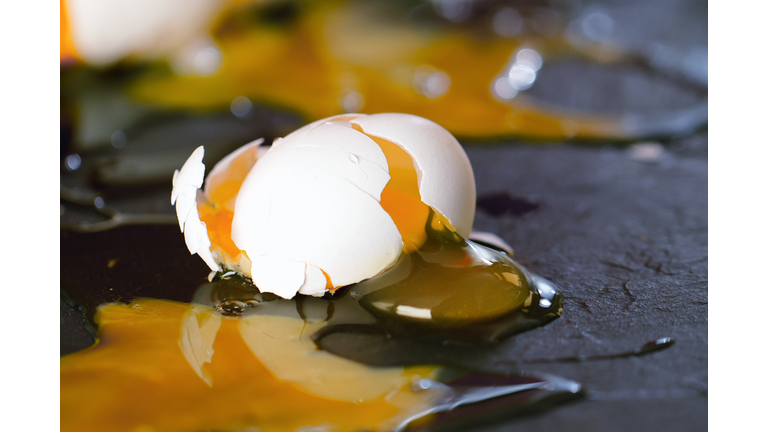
x: 235, y: 357
x: 163, y: 365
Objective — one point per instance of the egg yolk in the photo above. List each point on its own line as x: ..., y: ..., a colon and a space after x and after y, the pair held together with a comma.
x: 67, y: 48
x: 401, y: 198
x: 149, y: 371
x: 218, y: 211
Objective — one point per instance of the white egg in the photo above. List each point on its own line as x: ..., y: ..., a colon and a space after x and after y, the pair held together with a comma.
x: 331, y: 204
x: 105, y: 32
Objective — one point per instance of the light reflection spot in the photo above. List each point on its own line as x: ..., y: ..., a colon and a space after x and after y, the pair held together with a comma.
x: 351, y: 101
x: 118, y: 139
x: 597, y: 26
x: 503, y: 89
x: 507, y: 22
x: 545, y: 303
x: 530, y: 58
x: 453, y: 10
x: 431, y: 82
x: 241, y: 107
x: 521, y: 77
x: 72, y: 162
x: 413, y: 312
x: 207, y: 61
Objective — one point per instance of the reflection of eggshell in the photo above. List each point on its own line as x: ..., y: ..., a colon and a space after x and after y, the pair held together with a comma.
x: 446, y: 181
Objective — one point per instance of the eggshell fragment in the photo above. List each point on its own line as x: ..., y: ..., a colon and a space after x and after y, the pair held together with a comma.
x: 446, y: 180
x: 186, y: 184
x: 492, y: 239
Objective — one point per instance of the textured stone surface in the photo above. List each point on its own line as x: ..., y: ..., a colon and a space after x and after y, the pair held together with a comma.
x: 627, y: 243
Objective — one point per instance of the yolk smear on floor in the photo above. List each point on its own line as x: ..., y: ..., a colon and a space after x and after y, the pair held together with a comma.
x: 137, y: 377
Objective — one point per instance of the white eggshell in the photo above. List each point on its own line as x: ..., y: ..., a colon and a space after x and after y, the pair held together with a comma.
x: 186, y: 186
x: 196, y: 237
x: 304, y: 130
x: 314, y: 282
x: 307, y: 200
x: 278, y: 275
x: 446, y: 180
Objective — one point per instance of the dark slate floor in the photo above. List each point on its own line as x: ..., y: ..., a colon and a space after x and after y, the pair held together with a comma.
x: 627, y: 243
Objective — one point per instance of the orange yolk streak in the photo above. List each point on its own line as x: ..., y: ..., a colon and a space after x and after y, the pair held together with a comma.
x: 136, y: 378
x: 67, y: 47
x: 218, y: 211
x: 401, y: 198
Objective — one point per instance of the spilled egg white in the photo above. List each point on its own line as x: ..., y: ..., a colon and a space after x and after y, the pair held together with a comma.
x: 306, y: 213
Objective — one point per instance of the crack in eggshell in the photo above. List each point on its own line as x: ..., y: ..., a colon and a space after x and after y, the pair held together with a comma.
x: 278, y: 275
x: 186, y: 186
x: 196, y: 238
x: 186, y: 182
x: 447, y: 183
x: 315, y: 283
x: 301, y: 132
x: 366, y: 175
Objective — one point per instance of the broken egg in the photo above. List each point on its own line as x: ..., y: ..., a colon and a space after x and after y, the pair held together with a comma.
x: 333, y: 203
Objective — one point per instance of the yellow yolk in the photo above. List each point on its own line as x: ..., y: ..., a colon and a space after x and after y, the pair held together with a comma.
x: 401, y: 198
x: 139, y: 377
x: 218, y: 212
x: 67, y: 48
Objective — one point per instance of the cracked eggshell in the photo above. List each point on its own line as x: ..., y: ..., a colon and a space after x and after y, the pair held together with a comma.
x: 308, y: 213
x: 186, y: 187
x: 311, y: 203
x: 446, y: 180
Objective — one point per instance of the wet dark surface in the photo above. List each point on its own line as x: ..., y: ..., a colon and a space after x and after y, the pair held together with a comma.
x: 625, y: 241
